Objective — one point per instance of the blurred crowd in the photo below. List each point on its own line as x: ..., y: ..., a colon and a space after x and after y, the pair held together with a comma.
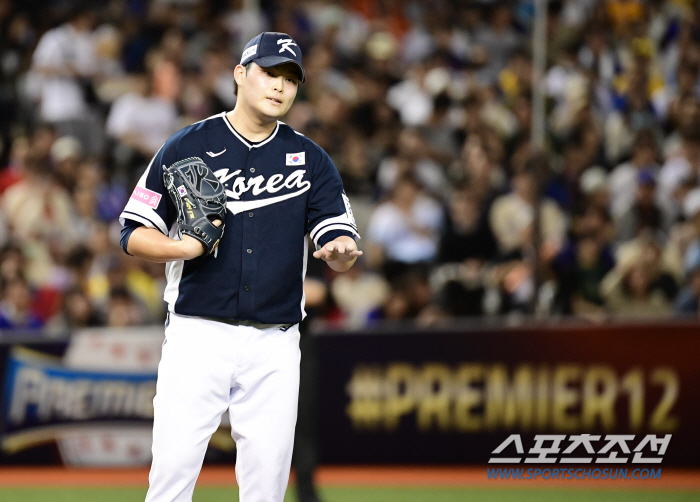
x: 426, y: 109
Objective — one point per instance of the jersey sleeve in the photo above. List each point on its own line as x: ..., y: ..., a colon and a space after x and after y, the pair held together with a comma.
x: 149, y: 203
x: 329, y: 211
x: 127, y: 230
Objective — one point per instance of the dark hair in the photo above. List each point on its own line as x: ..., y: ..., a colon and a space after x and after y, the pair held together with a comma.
x: 235, y: 85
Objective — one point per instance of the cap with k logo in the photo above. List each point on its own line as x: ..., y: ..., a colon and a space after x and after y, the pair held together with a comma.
x: 272, y: 49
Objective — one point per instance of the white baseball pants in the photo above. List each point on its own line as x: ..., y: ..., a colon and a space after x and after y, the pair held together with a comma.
x: 207, y: 367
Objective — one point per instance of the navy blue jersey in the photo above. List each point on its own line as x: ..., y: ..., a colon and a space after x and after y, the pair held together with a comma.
x: 279, y: 190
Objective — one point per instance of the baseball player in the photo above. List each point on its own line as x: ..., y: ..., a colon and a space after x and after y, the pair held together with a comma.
x: 227, y: 203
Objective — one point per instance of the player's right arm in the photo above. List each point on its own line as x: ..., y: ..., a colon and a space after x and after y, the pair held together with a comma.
x: 150, y: 244
x: 149, y: 216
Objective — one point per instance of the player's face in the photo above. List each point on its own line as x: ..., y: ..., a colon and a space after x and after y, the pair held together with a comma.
x: 269, y: 91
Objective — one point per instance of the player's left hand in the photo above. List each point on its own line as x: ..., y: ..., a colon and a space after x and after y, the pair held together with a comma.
x: 341, y: 250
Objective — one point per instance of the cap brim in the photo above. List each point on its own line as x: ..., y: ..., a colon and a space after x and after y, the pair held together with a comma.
x: 269, y: 61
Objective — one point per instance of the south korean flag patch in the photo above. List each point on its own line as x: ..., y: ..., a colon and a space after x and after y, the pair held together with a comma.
x: 296, y: 159
x: 181, y: 190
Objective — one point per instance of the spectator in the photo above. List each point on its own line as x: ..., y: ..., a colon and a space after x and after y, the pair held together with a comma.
x: 358, y: 294
x: 79, y: 263
x: 15, y: 306
x: 413, y: 158
x: 37, y: 207
x: 66, y: 62
x: 123, y: 311
x: 641, y: 280
x: 500, y: 39
x: 635, y: 294
x: 625, y: 178
x: 76, y: 312
x: 12, y: 263
x: 117, y: 273
x: 480, y: 168
x: 680, y: 171
x: 42, y: 141
x: 466, y: 234
x: 66, y: 154
x: 688, y: 301
x: 410, y: 295
x: 511, y: 217
x: 140, y: 122
x: 691, y: 255
x: 597, y: 57
x: 411, y: 99
x: 594, y: 187
x: 686, y: 87
x: 404, y: 230
x: 635, y: 113
x: 582, y: 264
x: 643, y: 215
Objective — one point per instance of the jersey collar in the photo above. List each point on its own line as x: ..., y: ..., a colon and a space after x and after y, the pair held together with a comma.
x: 243, y: 140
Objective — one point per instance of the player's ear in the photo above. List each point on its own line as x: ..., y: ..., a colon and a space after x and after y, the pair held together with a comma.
x: 238, y: 74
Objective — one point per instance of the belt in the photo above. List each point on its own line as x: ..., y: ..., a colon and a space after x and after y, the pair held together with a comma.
x: 253, y: 324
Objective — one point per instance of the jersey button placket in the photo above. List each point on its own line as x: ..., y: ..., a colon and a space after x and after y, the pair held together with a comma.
x: 248, y: 272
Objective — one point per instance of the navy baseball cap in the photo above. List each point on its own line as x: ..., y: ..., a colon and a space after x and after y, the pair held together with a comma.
x: 272, y: 49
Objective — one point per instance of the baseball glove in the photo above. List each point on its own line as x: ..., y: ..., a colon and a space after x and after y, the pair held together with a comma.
x: 199, y: 198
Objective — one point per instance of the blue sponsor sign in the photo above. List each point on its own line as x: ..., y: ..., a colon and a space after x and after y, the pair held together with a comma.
x: 41, y: 396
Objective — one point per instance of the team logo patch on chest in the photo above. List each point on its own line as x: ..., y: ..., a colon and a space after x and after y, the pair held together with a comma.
x: 296, y: 159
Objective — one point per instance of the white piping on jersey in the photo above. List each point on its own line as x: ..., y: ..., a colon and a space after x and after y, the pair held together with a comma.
x: 242, y: 139
x: 209, y: 118
x: 130, y: 215
x: 238, y: 206
x: 295, y: 132
x: 303, y: 276
x: 340, y: 219
x: 340, y: 226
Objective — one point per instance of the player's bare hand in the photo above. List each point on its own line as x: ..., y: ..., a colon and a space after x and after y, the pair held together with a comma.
x: 340, y: 250
x: 191, y: 247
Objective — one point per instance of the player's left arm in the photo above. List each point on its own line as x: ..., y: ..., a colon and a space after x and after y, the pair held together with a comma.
x: 331, y: 224
x: 340, y: 253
